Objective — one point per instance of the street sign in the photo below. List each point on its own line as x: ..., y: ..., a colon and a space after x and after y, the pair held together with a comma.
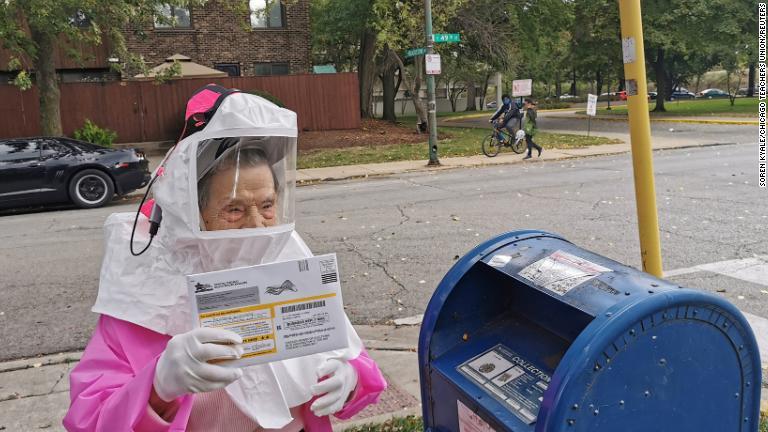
x: 446, y: 37
x: 413, y: 52
x: 432, y: 63
x: 521, y: 87
x: 592, y: 105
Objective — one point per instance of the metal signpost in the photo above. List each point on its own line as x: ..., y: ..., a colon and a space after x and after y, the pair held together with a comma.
x: 640, y: 134
x: 433, y: 60
x: 591, y: 110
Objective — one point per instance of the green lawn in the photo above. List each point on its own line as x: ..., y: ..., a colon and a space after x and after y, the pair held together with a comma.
x: 702, y: 107
x: 462, y: 142
x: 397, y: 424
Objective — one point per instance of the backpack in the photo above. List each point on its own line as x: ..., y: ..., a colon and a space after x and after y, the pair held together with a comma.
x: 202, y: 105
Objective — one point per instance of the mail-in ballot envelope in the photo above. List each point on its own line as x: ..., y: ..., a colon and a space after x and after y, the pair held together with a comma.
x: 282, y: 310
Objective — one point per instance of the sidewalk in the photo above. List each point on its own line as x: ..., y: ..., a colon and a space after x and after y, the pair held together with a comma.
x: 314, y: 175
x: 34, y: 393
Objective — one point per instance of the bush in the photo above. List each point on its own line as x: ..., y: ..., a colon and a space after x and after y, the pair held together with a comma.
x: 92, y: 133
x: 268, y: 96
x: 552, y: 104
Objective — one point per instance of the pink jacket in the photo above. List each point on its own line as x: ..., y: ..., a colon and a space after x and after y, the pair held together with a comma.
x: 110, y: 387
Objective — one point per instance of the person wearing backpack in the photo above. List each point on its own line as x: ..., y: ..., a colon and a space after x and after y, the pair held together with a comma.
x: 529, y: 126
x: 507, y: 112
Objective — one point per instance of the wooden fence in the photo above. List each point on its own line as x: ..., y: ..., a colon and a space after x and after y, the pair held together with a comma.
x: 145, y: 111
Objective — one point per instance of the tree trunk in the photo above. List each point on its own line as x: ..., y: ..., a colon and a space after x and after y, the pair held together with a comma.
x: 485, y: 90
x: 366, y: 72
x: 388, y: 87
x: 661, y: 81
x: 47, y: 84
x: 598, y: 83
x: 751, y: 84
x: 471, y: 96
x: 558, y: 86
x: 413, y: 88
x: 573, y: 82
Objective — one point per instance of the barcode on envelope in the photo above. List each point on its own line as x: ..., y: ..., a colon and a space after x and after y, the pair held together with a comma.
x: 303, y: 265
x: 329, y: 278
x: 302, y: 306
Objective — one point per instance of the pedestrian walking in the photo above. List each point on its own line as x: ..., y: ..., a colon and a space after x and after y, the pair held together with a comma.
x: 529, y: 126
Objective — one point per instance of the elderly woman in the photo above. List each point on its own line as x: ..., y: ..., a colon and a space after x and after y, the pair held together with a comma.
x: 227, y: 200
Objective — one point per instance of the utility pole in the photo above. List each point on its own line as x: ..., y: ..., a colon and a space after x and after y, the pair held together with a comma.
x: 640, y: 134
x: 432, y: 106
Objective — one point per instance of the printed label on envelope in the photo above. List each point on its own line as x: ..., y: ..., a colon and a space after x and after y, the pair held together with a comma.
x: 282, y: 310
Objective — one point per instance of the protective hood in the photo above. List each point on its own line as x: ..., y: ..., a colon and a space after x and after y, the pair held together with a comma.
x: 227, y: 195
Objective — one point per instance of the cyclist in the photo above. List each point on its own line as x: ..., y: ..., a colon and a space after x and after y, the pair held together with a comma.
x: 507, y: 112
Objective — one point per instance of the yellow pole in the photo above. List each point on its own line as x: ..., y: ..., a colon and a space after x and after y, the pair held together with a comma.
x: 640, y: 134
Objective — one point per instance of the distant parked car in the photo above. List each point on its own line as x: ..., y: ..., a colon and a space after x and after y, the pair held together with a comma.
x: 43, y: 170
x: 567, y: 96
x: 712, y: 93
x: 652, y: 95
x: 681, y: 94
x: 491, y: 105
x: 623, y: 95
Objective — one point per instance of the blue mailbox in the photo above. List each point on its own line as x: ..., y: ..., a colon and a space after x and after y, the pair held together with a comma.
x: 529, y: 332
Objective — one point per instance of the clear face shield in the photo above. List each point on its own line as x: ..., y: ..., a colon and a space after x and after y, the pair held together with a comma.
x: 246, y: 183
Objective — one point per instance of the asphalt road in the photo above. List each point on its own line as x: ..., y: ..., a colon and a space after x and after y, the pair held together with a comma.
x: 397, y: 236
x: 685, y: 133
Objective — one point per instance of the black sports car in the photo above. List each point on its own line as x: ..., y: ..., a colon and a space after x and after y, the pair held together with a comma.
x: 42, y: 170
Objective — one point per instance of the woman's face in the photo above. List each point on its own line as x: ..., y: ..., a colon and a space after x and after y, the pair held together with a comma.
x: 251, y: 203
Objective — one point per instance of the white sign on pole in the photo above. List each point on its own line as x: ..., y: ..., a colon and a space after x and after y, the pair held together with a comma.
x: 628, y: 50
x: 592, y: 105
x: 521, y: 87
x: 432, y: 64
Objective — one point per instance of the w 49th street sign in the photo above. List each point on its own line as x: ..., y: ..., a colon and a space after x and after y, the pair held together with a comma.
x: 446, y: 37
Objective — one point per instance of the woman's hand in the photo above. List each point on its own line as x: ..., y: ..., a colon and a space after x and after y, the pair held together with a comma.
x: 336, y: 389
x: 184, y: 365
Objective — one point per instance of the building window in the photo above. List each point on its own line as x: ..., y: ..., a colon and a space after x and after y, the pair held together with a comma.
x: 271, y: 69
x: 266, y: 13
x: 232, y: 69
x: 168, y: 16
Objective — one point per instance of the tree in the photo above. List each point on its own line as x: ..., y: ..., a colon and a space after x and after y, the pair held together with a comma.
x: 682, y: 36
x: 597, y: 41
x: 32, y: 30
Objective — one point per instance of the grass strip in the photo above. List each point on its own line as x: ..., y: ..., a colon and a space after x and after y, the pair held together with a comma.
x: 461, y: 142
x: 743, y: 107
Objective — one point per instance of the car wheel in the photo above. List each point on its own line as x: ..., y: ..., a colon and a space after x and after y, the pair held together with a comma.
x: 91, y: 188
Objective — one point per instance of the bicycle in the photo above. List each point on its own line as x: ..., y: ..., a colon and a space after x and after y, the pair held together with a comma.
x: 492, y: 146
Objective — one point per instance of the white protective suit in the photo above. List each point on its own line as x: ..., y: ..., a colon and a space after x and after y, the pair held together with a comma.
x: 151, y: 290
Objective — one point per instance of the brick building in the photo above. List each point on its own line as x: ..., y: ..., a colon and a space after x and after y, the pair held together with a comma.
x: 256, y: 38
x: 269, y: 38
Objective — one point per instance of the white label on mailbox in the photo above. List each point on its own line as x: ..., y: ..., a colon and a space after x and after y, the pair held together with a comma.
x: 471, y: 422
x: 499, y: 260
x: 562, y: 272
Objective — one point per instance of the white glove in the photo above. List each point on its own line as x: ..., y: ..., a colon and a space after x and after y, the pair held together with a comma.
x: 336, y: 389
x: 183, y: 367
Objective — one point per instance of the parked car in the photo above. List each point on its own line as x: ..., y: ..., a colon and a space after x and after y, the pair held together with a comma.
x: 623, y: 95
x: 491, y: 105
x: 712, y: 93
x: 43, y: 170
x: 652, y: 95
x: 567, y: 96
x: 681, y: 93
